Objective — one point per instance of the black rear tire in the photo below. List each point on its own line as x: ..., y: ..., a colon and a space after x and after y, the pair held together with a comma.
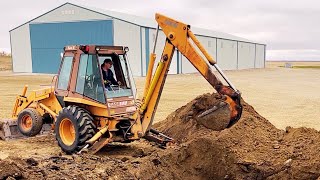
x: 34, y: 119
x: 84, y: 128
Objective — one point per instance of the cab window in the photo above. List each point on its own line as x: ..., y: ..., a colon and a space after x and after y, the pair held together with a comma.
x: 89, y: 81
x: 65, y: 73
x: 120, y: 73
x: 81, y: 73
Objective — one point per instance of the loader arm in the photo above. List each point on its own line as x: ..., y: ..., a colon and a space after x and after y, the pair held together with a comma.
x: 180, y: 36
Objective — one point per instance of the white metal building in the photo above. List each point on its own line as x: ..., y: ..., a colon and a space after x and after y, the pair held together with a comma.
x: 37, y: 44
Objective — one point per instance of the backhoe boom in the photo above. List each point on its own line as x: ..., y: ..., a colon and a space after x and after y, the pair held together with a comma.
x: 180, y: 36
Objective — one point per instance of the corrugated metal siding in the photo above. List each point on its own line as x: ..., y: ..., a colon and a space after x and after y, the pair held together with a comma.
x: 178, y: 62
x: 152, y: 24
x: 260, y: 56
x: 147, y: 48
x: 68, y: 13
x: 48, y: 40
x: 21, y: 49
x: 143, y: 51
x: 159, y: 49
x: 126, y: 34
x: 246, y: 55
x: 227, y: 54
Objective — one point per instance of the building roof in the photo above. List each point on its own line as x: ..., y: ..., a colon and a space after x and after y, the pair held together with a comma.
x: 151, y: 23
x: 147, y: 22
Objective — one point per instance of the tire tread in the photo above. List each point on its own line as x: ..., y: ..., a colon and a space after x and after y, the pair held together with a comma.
x: 84, y: 123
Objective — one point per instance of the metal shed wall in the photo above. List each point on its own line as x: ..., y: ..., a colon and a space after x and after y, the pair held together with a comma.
x: 48, y: 40
x: 67, y: 13
x: 227, y: 54
x: 246, y: 55
x: 159, y: 48
x: 126, y: 34
x: 21, y: 49
x: 209, y: 44
x: 260, y: 56
x: 138, y: 35
x: 144, y: 49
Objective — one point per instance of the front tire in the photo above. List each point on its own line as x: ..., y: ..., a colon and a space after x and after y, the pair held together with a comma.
x: 73, y: 127
x: 29, y: 122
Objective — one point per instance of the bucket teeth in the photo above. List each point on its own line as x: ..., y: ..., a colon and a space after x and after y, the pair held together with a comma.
x: 216, y: 118
x: 211, y: 110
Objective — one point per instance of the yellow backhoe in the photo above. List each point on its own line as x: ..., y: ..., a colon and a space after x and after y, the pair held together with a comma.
x: 87, y: 112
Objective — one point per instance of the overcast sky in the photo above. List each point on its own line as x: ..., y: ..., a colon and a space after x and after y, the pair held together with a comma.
x: 290, y: 28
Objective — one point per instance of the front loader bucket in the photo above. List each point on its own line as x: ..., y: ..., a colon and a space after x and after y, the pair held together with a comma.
x: 9, y: 130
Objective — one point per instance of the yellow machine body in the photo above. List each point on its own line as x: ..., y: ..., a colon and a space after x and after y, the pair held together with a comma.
x: 121, y: 119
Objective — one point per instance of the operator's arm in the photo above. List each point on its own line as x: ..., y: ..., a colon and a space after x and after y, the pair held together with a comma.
x: 111, y: 78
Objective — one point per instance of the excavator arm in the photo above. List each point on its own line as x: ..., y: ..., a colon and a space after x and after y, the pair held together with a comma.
x: 179, y: 36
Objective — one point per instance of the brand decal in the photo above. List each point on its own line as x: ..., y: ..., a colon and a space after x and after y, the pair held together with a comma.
x: 120, y: 103
x: 171, y: 23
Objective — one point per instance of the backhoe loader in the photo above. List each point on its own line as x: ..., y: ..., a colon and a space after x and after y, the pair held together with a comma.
x: 87, y: 113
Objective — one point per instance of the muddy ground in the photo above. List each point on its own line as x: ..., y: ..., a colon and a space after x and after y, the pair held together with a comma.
x: 251, y: 149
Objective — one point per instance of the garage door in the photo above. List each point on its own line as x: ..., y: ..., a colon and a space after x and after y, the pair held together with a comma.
x: 260, y: 56
x: 227, y: 54
x: 48, y: 40
x: 246, y: 55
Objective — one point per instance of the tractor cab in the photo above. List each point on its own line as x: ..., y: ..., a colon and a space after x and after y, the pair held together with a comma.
x: 84, y: 77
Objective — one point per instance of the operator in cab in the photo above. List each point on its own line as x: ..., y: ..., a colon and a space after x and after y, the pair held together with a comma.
x: 107, y: 74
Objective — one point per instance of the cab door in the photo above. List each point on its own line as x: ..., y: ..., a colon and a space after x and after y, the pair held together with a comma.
x: 89, y: 81
x: 64, y: 75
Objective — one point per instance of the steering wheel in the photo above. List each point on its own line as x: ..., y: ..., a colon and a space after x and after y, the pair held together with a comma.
x: 114, y: 88
x: 90, y: 80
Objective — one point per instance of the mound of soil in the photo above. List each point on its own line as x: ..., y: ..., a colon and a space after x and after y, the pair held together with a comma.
x: 251, y: 149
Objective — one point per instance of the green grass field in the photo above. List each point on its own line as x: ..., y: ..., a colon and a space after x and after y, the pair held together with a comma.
x: 6, y: 63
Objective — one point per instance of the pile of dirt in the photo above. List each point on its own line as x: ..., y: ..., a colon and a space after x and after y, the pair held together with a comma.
x: 184, y: 124
x: 251, y: 149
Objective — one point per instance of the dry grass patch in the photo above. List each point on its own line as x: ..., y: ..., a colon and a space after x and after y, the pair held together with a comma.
x: 11, y: 86
x: 285, y: 96
x: 5, y: 63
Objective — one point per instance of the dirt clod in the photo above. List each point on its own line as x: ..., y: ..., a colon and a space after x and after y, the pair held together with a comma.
x: 9, y: 170
x: 251, y: 149
x: 32, y: 162
x: 124, y: 159
x: 156, y: 162
x: 54, y: 167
